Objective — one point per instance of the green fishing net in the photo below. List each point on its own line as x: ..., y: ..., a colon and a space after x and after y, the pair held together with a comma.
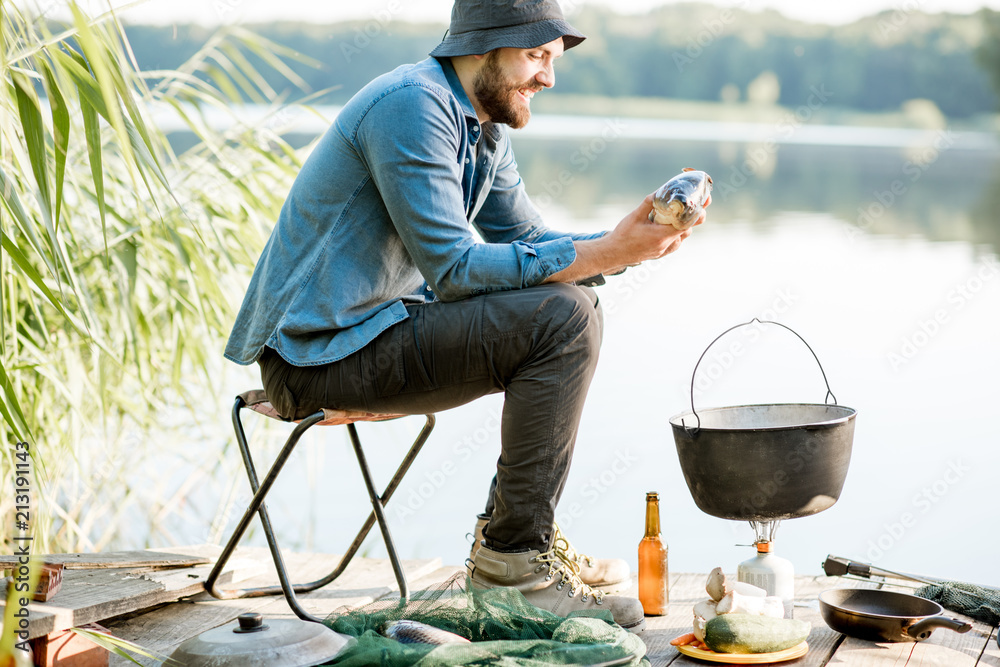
x: 505, y: 629
x: 978, y: 602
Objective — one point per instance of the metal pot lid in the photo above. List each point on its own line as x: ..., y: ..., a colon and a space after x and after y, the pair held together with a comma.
x: 251, y: 642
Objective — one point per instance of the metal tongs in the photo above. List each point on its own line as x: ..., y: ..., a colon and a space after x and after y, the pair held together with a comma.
x: 837, y: 566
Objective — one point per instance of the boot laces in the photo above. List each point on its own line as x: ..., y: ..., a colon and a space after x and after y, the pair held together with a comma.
x: 569, y: 550
x: 559, y: 562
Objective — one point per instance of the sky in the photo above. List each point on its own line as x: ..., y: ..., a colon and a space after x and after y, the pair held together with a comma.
x: 212, y: 12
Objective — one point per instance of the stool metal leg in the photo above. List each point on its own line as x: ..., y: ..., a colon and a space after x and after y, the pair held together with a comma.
x: 390, y: 488
x: 257, y: 505
x: 379, y: 510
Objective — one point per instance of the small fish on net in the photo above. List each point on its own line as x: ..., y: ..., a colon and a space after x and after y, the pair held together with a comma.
x: 413, y: 632
x: 503, y: 627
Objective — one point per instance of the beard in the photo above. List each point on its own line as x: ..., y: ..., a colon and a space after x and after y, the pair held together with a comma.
x: 497, y: 94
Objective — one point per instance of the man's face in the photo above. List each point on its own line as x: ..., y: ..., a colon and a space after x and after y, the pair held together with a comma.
x: 508, y: 79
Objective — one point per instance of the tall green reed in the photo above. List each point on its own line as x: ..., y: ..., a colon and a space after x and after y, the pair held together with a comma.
x: 122, y: 266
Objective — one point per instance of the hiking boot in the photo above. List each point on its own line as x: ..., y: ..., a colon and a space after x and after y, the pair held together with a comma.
x: 549, y: 582
x: 611, y: 575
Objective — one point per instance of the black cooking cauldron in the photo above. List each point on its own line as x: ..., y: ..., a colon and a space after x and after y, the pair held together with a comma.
x: 765, y: 462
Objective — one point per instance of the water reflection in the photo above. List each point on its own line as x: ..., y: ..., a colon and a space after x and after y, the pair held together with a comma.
x: 940, y: 195
x: 932, y: 189
x: 779, y: 241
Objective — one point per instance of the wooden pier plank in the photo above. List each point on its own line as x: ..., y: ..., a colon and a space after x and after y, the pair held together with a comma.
x: 686, y: 590
x: 364, y: 580
x: 428, y: 581
x: 88, y: 596
x: 823, y: 643
x: 943, y: 648
x: 116, y: 559
x: 991, y: 654
x: 690, y: 589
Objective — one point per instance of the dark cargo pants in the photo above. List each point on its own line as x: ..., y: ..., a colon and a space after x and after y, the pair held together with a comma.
x: 537, y: 345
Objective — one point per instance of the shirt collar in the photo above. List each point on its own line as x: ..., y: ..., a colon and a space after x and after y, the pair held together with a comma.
x: 472, y: 120
x: 456, y: 88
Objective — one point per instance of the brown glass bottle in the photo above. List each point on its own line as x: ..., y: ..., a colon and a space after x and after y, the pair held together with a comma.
x: 653, y: 572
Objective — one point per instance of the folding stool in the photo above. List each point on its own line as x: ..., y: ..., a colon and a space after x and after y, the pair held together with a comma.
x: 257, y: 401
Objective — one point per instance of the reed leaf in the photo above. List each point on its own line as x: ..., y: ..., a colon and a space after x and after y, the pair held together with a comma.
x: 30, y: 112
x: 60, y: 134
x: 96, y: 58
x: 123, y: 264
x: 122, y: 647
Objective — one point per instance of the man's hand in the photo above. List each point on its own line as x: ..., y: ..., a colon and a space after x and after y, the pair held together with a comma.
x: 637, y: 239
x: 634, y: 240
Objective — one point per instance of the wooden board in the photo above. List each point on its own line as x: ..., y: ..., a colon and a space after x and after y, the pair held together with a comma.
x: 689, y: 589
x: 991, y: 655
x: 115, y: 559
x: 429, y: 581
x: 944, y: 647
x: 162, y: 630
x: 88, y: 596
x: 686, y: 590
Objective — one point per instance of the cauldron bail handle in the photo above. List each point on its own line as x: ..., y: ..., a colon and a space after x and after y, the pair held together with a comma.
x: 826, y: 399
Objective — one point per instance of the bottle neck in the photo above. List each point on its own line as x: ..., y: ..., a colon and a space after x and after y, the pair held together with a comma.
x: 652, y: 517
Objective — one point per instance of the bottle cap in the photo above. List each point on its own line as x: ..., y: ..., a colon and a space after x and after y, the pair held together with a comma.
x: 652, y: 495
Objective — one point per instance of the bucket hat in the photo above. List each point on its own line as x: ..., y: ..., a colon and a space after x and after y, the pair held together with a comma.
x: 479, y: 26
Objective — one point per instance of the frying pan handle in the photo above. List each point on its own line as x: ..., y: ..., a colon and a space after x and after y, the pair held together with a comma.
x: 921, y: 630
x: 829, y: 394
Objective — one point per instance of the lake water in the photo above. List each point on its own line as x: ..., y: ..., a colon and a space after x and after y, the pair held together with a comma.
x: 882, y: 254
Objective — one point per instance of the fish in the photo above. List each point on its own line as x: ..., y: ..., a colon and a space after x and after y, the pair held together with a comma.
x: 414, y: 632
x: 681, y: 200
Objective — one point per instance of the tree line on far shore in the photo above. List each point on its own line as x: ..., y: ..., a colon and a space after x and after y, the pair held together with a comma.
x: 686, y: 51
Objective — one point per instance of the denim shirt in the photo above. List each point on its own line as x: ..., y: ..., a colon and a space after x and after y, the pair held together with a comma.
x: 381, y: 216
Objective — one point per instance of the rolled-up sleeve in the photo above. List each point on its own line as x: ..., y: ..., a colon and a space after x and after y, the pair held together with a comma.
x: 412, y: 139
x: 509, y: 216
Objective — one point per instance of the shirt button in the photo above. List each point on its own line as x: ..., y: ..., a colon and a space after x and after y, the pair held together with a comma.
x: 466, y: 160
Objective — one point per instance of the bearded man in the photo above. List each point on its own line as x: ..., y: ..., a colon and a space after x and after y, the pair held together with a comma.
x: 373, y: 294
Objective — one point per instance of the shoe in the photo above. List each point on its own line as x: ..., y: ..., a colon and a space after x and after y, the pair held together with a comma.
x: 611, y: 575
x: 534, y: 574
